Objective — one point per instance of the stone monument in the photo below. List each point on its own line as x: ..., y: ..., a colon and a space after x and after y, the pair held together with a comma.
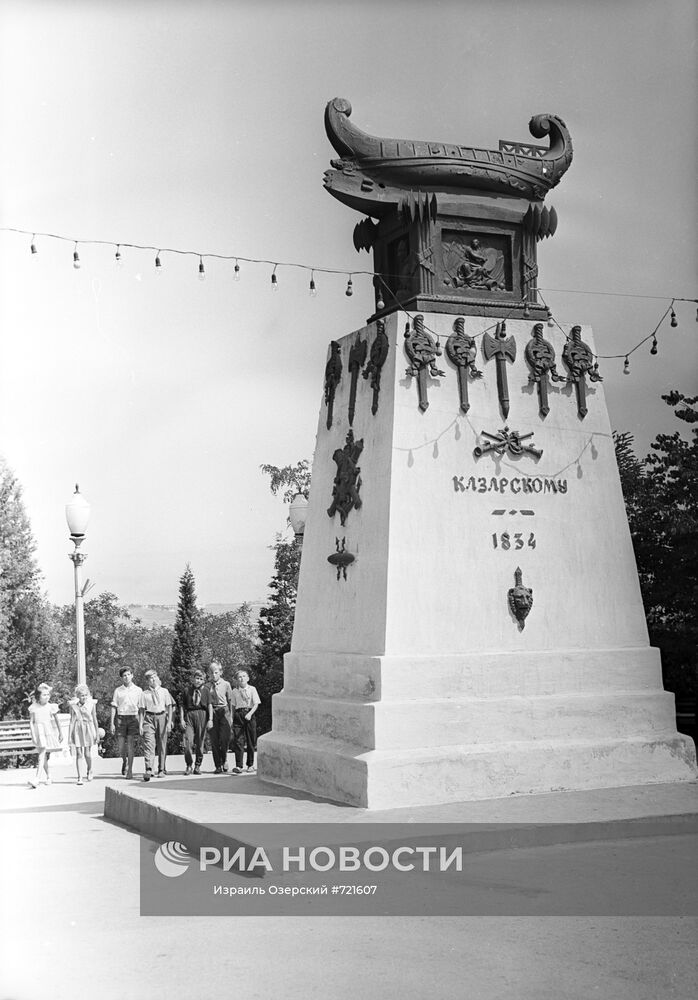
x: 469, y: 622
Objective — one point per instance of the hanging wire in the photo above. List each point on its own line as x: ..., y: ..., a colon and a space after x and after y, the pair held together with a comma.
x: 378, y: 278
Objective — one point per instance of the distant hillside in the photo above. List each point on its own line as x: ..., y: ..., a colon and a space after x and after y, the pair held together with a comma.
x: 152, y: 615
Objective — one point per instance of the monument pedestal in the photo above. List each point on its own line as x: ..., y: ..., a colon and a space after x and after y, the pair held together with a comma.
x: 423, y: 670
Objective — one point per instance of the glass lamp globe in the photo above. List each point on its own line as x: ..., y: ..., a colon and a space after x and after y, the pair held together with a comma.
x: 77, y: 514
x: 298, y: 513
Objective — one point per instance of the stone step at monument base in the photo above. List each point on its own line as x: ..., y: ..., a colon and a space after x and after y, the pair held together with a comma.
x: 439, y: 722
x: 386, y: 779
x: 363, y: 677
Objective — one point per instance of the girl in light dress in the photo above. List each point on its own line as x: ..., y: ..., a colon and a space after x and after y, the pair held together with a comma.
x: 45, y: 730
x: 83, y: 733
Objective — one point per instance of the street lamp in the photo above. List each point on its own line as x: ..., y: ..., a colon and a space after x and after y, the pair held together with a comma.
x: 77, y: 514
x: 297, y: 515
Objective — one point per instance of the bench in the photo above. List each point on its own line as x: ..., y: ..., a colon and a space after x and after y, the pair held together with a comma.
x: 16, y: 738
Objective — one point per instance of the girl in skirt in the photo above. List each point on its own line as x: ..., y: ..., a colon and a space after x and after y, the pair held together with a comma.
x: 83, y: 732
x: 46, y: 732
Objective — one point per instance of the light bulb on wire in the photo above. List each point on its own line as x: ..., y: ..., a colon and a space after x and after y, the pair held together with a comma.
x: 626, y: 365
x: 76, y: 258
x: 236, y: 272
x: 654, y: 347
x: 380, y: 304
x: 551, y: 321
x: 312, y: 289
x: 350, y: 287
x: 117, y: 256
x: 33, y: 245
x: 158, y: 264
x: 274, y: 282
x: 202, y: 269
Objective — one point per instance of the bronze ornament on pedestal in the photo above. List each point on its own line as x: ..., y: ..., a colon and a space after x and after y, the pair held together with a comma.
x: 347, y: 480
x: 579, y: 360
x: 333, y: 376
x: 461, y: 351
x: 520, y: 599
x: 502, y: 349
x: 540, y: 358
x: 341, y: 558
x: 422, y: 351
x: 377, y: 358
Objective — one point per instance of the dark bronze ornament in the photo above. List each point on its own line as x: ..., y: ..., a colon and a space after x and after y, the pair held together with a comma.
x: 333, y: 376
x: 462, y: 352
x: 579, y: 361
x: 357, y: 359
x: 347, y: 480
x: 520, y: 599
x: 422, y: 351
x: 376, y: 360
x: 540, y: 357
x: 500, y: 347
x: 507, y: 441
x: 341, y: 559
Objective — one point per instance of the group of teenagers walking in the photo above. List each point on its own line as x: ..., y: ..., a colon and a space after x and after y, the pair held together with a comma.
x: 214, y: 708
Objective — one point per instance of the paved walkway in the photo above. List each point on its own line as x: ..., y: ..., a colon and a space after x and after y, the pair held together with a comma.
x: 71, y: 930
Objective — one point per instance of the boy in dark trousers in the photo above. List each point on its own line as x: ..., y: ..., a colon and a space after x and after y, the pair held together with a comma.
x: 245, y: 704
x: 193, y: 715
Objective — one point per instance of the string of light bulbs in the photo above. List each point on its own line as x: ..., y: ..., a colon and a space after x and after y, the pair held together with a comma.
x: 379, y: 281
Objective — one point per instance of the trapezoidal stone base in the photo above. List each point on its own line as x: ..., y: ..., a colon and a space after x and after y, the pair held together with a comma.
x: 354, y: 729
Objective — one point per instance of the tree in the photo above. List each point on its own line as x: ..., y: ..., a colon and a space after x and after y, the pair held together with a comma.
x: 230, y: 638
x: 276, y: 618
x: 187, y: 644
x: 276, y: 628
x: 292, y: 479
x: 29, y: 640
x: 662, y: 503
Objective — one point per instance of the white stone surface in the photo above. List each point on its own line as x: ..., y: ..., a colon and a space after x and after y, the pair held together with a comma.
x: 410, y: 681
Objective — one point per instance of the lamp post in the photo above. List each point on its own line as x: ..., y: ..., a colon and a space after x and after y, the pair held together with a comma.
x: 77, y: 514
x: 297, y: 515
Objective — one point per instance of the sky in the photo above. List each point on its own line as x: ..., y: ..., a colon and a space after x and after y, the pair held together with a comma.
x: 199, y: 125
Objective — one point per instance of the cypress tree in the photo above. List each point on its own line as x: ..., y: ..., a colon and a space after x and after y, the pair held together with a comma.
x: 187, y: 644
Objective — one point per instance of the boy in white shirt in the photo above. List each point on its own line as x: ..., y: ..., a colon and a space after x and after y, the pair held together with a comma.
x: 245, y: 703
x: 124, y: 710
x: 155, y: 719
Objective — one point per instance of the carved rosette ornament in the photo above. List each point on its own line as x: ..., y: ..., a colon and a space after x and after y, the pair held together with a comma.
x: 347, y: 480
x: 462, y: 352
x: 579, y: 361
x: 422, y: 351
x: 333, y: 376
x: 540, y: 358
x: 520, y: 599
x: 341, y: 558
x: 377, y: 358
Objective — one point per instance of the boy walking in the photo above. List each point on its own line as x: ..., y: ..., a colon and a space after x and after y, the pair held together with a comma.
x: 193, y: 714
x: 155, y: 719
x: 220, y: 713
x: 245, y: 703
x: 124, y: 711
